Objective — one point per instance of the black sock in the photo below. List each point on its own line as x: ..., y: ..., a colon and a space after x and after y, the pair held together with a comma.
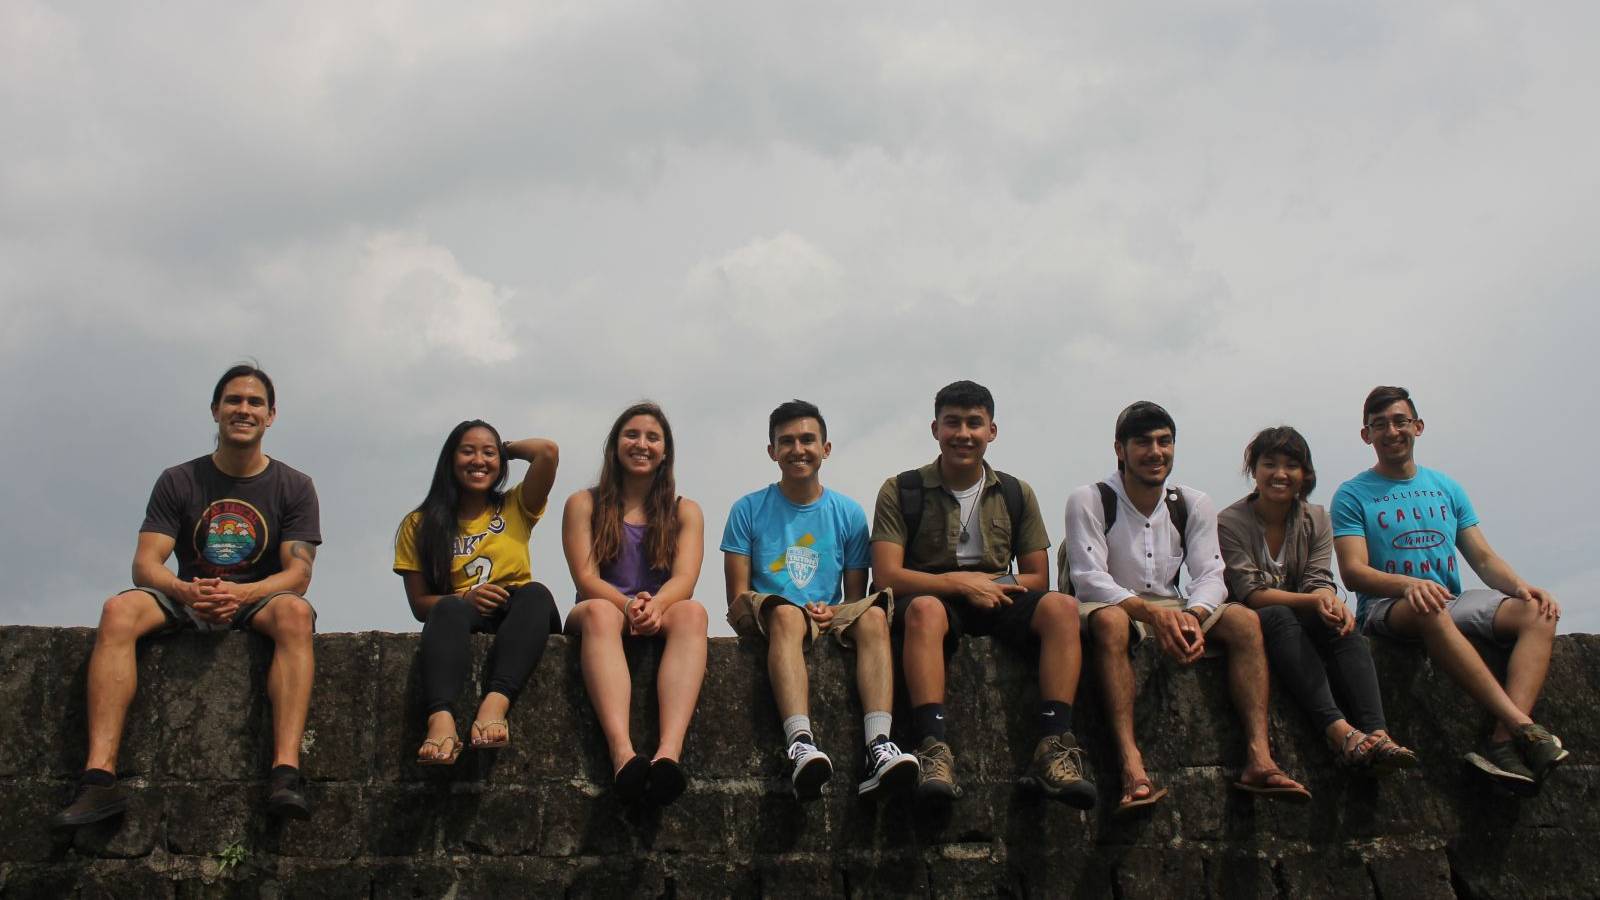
x: 285, y: 770
x: 98, y: 778
x: 928, y: 721
x: 1055, y: 718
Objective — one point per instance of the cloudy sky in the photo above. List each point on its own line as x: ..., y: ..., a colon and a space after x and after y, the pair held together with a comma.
x: 538, y: 213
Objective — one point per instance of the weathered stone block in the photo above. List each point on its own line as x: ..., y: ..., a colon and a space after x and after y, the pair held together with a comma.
x: 1423, y: 875
x: 498, y: 821
x: 328, y: 833
x: 339, y: 739
x: 1317, y: 875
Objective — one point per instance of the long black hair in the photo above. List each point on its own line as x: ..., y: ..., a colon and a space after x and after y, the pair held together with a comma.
x: 437, y: 526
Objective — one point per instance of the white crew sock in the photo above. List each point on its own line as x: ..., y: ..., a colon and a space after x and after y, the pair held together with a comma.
x: 876, y: 725
x: 796, y: 725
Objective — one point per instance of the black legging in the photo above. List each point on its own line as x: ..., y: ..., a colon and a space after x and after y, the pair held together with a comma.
x: 521, y: 628
x: 1307, y: 654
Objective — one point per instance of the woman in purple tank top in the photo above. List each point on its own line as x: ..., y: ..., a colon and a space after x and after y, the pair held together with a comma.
x: 634, y: 547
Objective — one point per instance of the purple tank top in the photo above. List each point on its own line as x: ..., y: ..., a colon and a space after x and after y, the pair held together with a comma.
x: 630, y: 573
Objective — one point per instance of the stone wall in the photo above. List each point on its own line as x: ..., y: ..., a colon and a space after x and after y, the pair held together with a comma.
x: 533, y: 820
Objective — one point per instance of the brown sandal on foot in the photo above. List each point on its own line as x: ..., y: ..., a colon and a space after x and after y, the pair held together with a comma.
x: 478, y: 728
x: 1294, y: 791
x: 1151, y: 797
x: 438, y: 744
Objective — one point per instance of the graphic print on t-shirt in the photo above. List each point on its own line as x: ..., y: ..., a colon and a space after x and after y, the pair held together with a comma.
x: 800, y: 560
x: 230, y: 534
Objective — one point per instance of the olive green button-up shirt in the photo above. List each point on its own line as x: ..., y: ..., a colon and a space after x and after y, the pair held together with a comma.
x: 933, y: 548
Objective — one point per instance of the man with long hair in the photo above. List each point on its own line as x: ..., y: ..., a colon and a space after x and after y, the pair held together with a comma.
x: 245, y: 530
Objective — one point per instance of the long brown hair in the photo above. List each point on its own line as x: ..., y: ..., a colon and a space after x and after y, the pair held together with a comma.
x: 660, y: 504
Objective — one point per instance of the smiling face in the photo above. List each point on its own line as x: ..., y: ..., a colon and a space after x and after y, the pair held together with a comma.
x: 477, y: 461
x: 1279, y: 477
x: 641, y: 446
x: 963, y: 433
x: 242, y: 412
x: 1147, y: 458
x: 1393, y: 433
x: 798, y: 448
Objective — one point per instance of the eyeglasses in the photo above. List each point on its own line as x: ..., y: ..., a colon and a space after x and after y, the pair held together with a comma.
x: 1398, y: 423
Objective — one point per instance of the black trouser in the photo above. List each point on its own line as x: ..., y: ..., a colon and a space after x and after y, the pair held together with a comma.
x: 520, y: 627
x: 1308, y: 654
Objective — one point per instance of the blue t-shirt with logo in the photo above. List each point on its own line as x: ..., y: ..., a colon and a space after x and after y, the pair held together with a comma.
x: 1410, y: 525
x: 799, y: 552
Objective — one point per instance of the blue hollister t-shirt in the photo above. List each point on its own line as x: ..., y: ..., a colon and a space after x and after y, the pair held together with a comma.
x: 1410, y: 525
x: 799, y: 552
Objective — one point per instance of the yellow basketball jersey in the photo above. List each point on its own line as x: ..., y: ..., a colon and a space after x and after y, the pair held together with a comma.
x: 490, y: 548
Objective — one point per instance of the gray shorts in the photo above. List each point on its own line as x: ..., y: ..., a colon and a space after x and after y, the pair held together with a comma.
x: 1472, y: 611
x: 182, y: 618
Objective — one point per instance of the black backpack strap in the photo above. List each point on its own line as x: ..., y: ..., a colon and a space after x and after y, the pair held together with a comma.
x: 1011, y: 490
x: 910, y: 484
x: 1108, y: 505
x: 1178, y: 511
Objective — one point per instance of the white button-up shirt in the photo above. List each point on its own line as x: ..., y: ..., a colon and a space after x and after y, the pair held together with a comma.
x: 1142, y: 554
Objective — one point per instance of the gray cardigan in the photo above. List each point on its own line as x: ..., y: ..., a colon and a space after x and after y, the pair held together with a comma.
x: 1307, y: 550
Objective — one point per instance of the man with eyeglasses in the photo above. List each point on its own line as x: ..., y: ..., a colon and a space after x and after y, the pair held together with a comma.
x: 1396, y: 529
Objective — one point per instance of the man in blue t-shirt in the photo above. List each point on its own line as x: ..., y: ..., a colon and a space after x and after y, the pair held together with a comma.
x: 1396, y: 528
x: 796, y: 558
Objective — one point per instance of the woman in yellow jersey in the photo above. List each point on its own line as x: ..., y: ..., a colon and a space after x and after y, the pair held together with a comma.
x: 634, y: 548
x: 463, y: 555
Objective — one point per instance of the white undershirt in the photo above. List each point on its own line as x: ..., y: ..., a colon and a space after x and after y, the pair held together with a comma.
x: 969, y: 552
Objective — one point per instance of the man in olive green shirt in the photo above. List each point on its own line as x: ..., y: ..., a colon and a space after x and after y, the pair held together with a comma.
x: 948, y: 558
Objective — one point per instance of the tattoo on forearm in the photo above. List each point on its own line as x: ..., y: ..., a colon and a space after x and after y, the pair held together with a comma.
x: 306, y: 553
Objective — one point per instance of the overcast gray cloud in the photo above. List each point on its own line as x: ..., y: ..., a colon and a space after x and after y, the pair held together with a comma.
x: 416, y: 214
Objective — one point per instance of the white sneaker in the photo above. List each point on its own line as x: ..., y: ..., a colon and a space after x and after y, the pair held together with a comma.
x: 888, y: 767
x: 810, y: 769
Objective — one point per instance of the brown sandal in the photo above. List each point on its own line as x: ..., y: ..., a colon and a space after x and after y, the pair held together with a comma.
x: 1293, y: 791
x: 478, y: 741
x: 439, y: 745
x: 1153, y: 796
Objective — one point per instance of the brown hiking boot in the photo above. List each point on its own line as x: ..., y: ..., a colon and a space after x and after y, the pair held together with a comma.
x: 936, y: 780
x: 1057, y: 772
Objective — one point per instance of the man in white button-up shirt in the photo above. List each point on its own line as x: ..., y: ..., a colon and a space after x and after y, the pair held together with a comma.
x: 1125, y: 577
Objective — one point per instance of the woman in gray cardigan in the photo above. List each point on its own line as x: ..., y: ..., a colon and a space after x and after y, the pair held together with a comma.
x: 1279, y: 552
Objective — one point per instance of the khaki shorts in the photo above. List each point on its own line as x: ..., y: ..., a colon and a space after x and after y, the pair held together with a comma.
x: 747, y: 615
x: 1139, y: 632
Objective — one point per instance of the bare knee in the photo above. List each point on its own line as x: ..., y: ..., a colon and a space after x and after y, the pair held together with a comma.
x: 1109, y: 626
x: 119, y: 617
x: 872, y: 624
x: 1242, y: 627
x: 292, y: 617
x: 1056, y: 614
x: 686, y: 616
x: 925, y: 617
x: 596, y: 617
x: 785, y: 621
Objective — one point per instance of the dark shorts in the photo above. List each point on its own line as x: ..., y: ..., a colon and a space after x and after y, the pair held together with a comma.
x: 1010, y: 624
x: 182, y: 618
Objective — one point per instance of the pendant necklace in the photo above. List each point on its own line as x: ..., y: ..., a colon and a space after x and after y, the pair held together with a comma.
x: 976, y: 500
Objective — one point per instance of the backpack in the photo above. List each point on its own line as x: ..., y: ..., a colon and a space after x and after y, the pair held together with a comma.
x: 1177, y: 510
x: 911, y: 496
